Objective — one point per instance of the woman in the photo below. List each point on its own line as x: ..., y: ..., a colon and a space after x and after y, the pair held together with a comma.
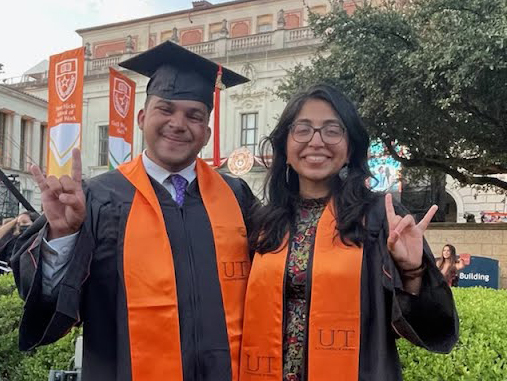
x: 10, y: 232
x: 337, y: 274
x: 449, y: 265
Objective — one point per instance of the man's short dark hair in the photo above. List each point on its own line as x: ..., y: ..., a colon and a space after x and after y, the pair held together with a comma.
x: 148, y: 98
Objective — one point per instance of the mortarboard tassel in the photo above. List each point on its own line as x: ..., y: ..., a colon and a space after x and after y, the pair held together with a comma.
x: 216, y: 126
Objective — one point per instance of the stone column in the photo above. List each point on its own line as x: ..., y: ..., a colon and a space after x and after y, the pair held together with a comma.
x: 36, y: 139
x: 15, y: 141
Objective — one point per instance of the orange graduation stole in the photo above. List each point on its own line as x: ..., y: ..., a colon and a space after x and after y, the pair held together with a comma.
x: 334, y: 315
x: 150, y: 281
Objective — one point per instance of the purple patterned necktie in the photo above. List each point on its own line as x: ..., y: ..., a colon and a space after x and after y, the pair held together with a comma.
x: 180, y: 185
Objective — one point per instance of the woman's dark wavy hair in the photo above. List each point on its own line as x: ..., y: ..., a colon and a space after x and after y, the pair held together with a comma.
x: 352, y: 197
x: 453, y: 259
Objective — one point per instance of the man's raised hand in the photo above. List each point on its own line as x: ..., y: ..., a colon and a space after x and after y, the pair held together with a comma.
x: 63, y: 200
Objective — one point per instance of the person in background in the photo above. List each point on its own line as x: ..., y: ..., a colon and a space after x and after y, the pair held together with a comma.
x: 450, y: 265
x: 10, y: 231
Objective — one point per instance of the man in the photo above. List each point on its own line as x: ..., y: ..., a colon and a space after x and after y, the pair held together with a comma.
x: 151, y: 257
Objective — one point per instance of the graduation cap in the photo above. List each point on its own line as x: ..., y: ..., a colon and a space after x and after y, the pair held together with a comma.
x: 177, y: 73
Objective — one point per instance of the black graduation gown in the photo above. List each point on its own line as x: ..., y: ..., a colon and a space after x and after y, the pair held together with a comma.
x: 428, y: 320
x: 93, y: 289
x: 7, y: 246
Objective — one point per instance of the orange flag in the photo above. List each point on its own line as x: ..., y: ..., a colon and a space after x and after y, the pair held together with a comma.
x: 65, y: 109
x: 122, y: 92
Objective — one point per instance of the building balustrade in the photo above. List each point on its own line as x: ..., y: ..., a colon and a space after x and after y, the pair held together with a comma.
x: 222, y: 47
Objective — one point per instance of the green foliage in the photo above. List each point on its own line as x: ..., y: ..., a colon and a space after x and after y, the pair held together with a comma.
x: 7, y: 285
x: 428, y: 74
x: 481, y: 352
x: 18, y: 366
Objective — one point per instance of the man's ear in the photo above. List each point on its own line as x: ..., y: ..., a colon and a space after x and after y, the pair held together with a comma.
x: 140, y: 119
x: 208, y: 135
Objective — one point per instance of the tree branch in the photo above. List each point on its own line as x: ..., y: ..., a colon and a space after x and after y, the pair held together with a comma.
x: 434, y: 164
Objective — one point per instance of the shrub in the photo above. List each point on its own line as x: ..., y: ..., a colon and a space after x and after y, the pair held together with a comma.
x: 481, y: 352
x: 7, y: 284
x: 34, y: 366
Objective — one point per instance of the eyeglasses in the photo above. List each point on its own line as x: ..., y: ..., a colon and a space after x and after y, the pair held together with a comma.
x: 330, y: 133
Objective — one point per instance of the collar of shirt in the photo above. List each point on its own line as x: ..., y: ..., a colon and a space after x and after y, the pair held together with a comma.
x: 160, y: 174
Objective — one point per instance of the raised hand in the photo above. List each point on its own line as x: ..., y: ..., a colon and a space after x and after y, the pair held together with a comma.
x: 63, y: 200
x: 405, y: 241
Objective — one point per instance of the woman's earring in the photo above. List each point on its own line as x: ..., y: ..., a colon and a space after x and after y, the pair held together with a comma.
x: 344, y: 172
x: 287, y: 174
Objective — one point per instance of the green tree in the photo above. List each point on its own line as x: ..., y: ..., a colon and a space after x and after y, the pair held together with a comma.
x: 429, y: 75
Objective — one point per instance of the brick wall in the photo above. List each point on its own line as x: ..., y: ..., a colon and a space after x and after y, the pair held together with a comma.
x: 482, y: 240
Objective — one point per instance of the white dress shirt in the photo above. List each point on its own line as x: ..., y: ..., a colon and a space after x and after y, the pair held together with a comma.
x: 56, y: 253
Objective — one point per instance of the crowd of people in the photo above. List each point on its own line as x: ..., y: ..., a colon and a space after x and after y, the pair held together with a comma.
x: 177, y: 271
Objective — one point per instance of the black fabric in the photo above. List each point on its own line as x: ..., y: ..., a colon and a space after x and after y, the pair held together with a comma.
x: 93, y: 292
x: 7, y: 243
x: 428, y: 320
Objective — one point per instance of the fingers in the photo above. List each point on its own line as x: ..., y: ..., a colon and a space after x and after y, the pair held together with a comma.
x: 390, y: 213
x: 54, y: 185
x: 77, y: 168
x: 72, y: 201
x: 39, y: 178
x: 407, y: 221
x: 423, y: 224
x: 394, y: 235
x: 68, y: 184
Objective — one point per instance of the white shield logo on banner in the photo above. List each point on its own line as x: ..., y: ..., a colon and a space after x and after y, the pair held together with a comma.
x: 66, y: 78
x: 121, y: 97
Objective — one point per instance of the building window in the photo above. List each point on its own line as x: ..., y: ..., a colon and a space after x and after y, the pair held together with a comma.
x: 264, y: 28
x: 103, y: 145
x: 23, y: 145
x: 3, y: 128
x: 28, y: 194
x: 43, y: 147
x: 249, y: 131
x: 318, y: 10
x: 214, y: 31
x: 264, y: 23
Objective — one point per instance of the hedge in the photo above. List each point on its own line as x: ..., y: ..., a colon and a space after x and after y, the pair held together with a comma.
x: 481, y: 353
x: 34, y: 366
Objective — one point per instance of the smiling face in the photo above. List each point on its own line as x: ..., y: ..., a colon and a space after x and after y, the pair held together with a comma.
x: 174, y: 131
x: 446, y: 252
x: 316, y: 162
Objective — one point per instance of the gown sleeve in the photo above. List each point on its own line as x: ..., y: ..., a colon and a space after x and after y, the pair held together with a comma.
x: 47, y: 318
x: 428, y: 320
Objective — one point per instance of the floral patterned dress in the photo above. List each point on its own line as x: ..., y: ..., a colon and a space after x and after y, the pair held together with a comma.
x: 308, y: 215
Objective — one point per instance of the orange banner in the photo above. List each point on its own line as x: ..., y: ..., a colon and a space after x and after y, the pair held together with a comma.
x: 65, y: 109
x: 122, y: 91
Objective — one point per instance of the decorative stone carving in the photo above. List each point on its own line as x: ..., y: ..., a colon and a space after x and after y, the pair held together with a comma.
x: 248, y: 70
x: 88, y: 51
x: 174, y: 37
x: 129, y: 44
x: 249, y: 100
x: 280, y: 19
x: 224, y: 32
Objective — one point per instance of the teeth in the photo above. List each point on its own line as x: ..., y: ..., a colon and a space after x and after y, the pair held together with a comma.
x: 315, y: 159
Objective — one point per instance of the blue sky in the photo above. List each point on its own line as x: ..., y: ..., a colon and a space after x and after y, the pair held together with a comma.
x: 32, y: 30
